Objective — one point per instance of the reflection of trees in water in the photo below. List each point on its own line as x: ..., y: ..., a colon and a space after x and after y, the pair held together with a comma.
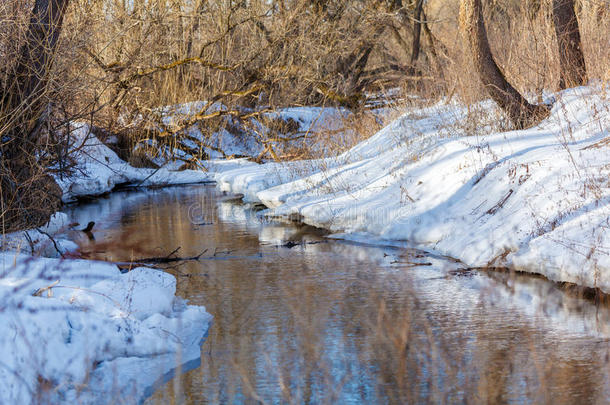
x: 349, y: 334
x: 328, y: 323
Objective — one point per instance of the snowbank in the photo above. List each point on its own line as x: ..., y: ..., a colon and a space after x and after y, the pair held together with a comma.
x: 248, y: 178
x: 81, y: 331
x: 534, y: 199
x: 98, y: 170
x: 48, y: 240
x: 235, y: 137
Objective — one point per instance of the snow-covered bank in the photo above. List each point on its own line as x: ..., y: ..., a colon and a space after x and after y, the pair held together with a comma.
x: 257, y: 136
x: 98, y: 169
x: 536, y: 199
x: 81, y: 331
x: 48, y: 240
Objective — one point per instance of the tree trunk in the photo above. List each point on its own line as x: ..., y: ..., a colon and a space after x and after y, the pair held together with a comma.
x: 521, y: 113
x: 28, y: 196
x: 571, y: 60
x: 24, y: 100
x: 432, y: 44
x: 416, y: 44
x: 352, y: 67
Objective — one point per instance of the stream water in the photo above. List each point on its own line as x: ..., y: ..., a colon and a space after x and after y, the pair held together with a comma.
x: 306, y: 319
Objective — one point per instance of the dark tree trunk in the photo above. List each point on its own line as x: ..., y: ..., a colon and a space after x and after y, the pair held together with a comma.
x: 28, y: 197
x: 432, y: 44
x: 571, y: 60
x: 24, y: 99
x: 416, y: 44
x: 521, y: 113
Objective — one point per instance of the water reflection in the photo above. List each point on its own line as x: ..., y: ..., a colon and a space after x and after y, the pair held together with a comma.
x: 318, y: 321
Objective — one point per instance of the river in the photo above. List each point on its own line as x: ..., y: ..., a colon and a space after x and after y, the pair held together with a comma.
x: 300, y: 318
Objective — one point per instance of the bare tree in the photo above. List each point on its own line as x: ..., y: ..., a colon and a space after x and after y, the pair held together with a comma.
x: 23, y: 99
x: 27, y: 197
x: 521, y: 113
x: 417, y: 24
x: 572, y: 62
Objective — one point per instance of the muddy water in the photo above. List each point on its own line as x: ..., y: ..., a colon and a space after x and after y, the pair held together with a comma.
x: 300, y: 318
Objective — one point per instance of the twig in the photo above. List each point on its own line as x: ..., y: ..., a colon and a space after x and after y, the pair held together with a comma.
x: 52, y: 240
x: 163, y: 259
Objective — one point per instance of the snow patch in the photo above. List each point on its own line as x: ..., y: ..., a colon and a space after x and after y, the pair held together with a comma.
x: 535, y: 199
x: 81, y: 331
x: 98, y: 169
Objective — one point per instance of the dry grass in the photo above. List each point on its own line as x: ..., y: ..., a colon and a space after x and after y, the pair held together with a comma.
x: 255, y: 57
x: 139, y: 56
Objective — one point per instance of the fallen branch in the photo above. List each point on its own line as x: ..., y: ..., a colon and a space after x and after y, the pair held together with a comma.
x: 170, y: 258
x: 57, y: 249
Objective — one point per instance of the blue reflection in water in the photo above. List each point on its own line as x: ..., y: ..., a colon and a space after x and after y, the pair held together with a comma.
x: 318, y: 321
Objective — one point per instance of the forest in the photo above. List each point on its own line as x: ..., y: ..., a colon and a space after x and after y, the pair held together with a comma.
x: 304, y: 201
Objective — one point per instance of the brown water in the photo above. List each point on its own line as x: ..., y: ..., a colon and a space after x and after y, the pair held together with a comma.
x: 328, y: 321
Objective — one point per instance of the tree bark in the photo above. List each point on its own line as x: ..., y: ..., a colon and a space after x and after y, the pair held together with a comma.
x: 28, y: 196
x: 23, y: 101
x: 416, y: 44
x: 520, y: 112
x: 571, y: 59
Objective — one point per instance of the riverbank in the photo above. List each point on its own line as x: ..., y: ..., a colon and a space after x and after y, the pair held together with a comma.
x: 85, y: 331
x: 534, y: 200
x: 82, y: 330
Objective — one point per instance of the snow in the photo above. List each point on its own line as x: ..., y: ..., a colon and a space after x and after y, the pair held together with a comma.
x: 38, y: 241
x: 92, y: 332
x: 535, y: 199
x: 241, y: 137
x: 250, y: 178
x: 98, y: 170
